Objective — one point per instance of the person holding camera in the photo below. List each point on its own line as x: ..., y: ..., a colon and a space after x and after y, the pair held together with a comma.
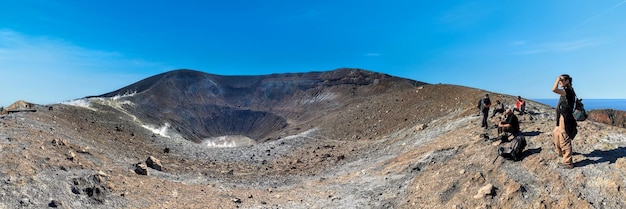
x: 510, y: 124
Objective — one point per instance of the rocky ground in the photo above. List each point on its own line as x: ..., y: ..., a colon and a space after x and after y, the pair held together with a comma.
x: 419, y: 147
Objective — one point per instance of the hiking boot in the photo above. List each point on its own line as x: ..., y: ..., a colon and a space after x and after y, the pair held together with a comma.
x: 566, y: 166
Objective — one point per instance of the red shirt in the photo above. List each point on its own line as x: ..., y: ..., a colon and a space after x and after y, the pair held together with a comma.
x: 519, y: 103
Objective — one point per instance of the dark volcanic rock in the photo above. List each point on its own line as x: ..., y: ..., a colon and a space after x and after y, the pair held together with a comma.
x: 142, y: 169
x: 609, y: 117
x: 154, y: 163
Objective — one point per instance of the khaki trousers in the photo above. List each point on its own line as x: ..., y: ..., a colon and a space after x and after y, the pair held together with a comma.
x: 562, y: 142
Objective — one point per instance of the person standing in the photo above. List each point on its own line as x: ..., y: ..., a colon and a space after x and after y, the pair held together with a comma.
x: 565, y: 129
x: 486, y: 103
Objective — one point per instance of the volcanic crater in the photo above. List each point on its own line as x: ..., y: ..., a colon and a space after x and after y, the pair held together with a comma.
x: 241, y: 110
x: 346, y: 138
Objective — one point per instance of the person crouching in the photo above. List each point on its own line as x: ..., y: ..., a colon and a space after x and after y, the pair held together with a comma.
x: 510, y: 125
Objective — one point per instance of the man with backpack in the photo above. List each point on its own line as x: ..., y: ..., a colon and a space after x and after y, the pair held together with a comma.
x: 518, y: 143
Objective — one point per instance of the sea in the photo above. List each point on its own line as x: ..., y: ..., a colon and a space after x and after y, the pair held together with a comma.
x: 592, y: 104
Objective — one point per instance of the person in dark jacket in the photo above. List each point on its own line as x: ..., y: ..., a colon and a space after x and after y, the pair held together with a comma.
x: 565, y: 129
x: 510, y: 124
x: 486, y: 104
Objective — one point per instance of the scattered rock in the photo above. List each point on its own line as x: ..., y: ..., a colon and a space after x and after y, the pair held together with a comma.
x: 229, y: 172
x: 96, y: 192
x: 59, y: 142
x: 83, y: 151
x: 90, y: 186
x: 54, y: 203
x: 141, y: 169
x: 420, y: 127
x: 72, y: 156
x: 25, y: 202
x: 513, y: 187
x: 154, y: 163
x: 487, y: 190
x: 341, y: 157
x: 102, y: 173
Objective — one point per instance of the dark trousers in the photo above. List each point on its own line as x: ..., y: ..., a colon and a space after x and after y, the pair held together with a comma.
x: 521, y: 110
x: 485, y: 114
x: 497, y: 111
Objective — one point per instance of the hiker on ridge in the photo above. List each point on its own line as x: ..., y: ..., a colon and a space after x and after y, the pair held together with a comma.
x: 565, y: 129
x: 498, y: 109
x: 486, y: 103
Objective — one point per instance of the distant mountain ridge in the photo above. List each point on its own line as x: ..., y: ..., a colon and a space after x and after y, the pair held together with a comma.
x: 201, y: 105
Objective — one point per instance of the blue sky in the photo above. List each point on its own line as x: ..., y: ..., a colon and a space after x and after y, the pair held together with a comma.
x: 53, y: 51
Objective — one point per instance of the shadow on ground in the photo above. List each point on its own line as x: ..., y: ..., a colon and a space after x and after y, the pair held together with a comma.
x: 531, y: 133
x: 603, y: 156
x: 530, y: 152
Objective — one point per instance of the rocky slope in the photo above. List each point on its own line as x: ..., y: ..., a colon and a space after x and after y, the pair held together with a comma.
x: 200, y: 105
x: 344, y: 139
x: 609, y: 117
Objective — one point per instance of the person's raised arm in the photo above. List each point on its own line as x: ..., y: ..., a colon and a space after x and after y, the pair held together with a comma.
x: 555, y: 87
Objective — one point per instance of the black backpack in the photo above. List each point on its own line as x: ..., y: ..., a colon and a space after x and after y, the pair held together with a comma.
x: 515, y: 151
x: 579, y: 110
